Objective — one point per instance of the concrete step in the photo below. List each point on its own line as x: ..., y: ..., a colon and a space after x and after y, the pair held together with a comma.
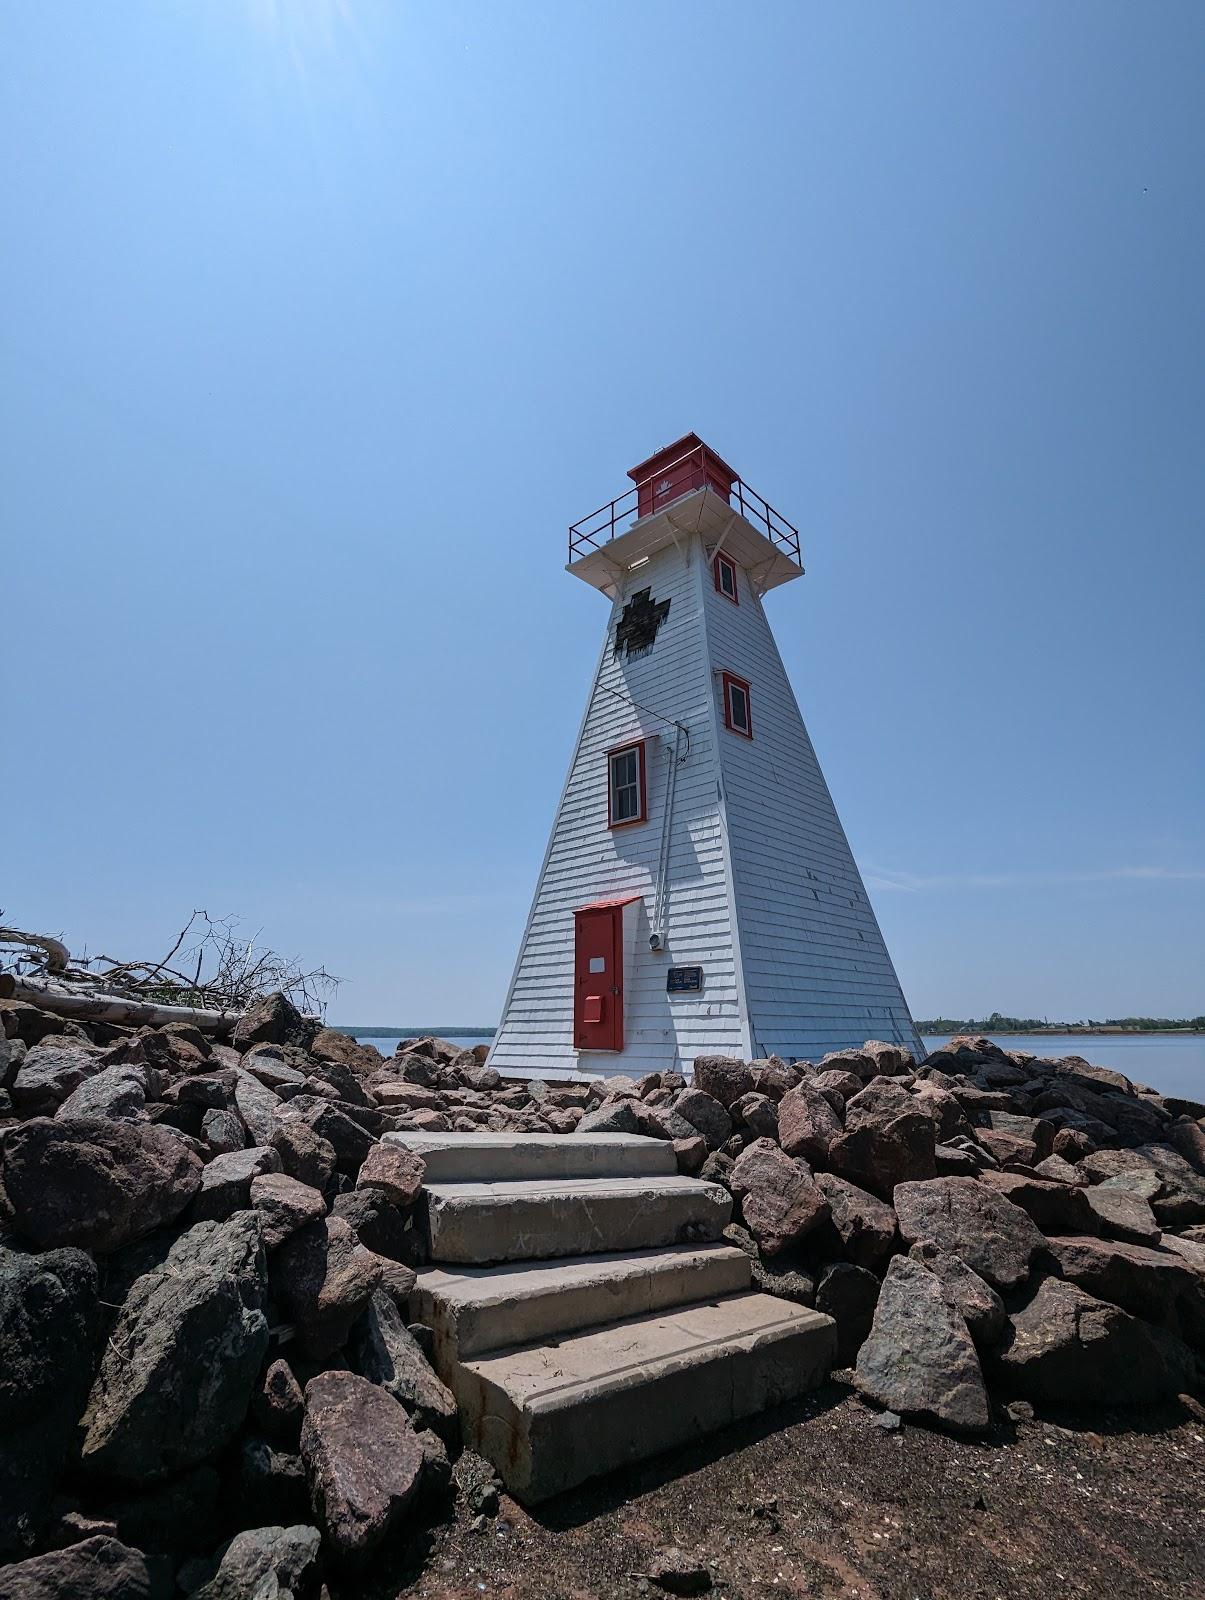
x: 479, y: 1223
x: 475, y: 1309
x: 550, y: 1416
x: 513, y: 1157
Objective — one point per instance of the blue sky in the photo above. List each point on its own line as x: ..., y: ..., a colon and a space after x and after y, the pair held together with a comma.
x: 322, y: 320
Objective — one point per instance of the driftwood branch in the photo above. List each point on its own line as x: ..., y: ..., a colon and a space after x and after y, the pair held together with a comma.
x: 56, y: 952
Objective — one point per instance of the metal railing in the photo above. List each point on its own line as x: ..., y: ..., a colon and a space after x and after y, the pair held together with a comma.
x: 694, y: 470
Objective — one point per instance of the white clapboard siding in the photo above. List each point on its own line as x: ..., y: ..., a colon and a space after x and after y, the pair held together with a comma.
x: 761, y: 892
x: 817, y: 973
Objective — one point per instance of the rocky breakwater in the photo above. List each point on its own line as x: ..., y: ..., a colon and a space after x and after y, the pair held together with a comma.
x: 209, y: 1382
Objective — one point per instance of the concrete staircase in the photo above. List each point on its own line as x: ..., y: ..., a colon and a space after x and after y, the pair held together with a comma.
x: 585, y: 1315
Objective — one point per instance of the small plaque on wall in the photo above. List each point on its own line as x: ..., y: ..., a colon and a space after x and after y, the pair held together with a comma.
x: 683, y: 980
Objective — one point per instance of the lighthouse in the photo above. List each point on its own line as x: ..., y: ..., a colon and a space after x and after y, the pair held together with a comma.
x: 698, y: 894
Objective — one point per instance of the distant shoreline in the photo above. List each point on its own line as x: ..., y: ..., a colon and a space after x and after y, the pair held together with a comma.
x: 447, y: 1032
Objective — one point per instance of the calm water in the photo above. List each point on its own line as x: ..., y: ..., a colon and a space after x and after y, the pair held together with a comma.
x: 1172, y: 1064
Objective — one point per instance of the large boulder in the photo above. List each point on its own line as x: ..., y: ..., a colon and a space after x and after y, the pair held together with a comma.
x: 1054, y: 1207
x: 324, y: 1278
x: 724, y: 1078
x: 1064, y: 1347
x: 807, y: 1123
x: 888, y: 1139
x: 849, y: 1295
x: 48, y: 1325
x: 272, y: 1019
x: 1150, y: 1283
x: 284, y: 1206
x: 227, y: 1179
x: 99, y: 1568
x: 704, y: 1112
x: 363, y: 1460
x: 919, y: 1359
x: 383, y: 1351
x: 866, y: 1226
x: 119, y: 1092
x: 1120, y: 1212
x: 266, y: 1563
x: 397, y: 1172
x: 94, y: 1183
x: 50, y: 1072
x: 178, y: 1370
x: 304, y: 1154
x: 350, y: 1142
x: 995, y: 1238
x: 780, y: 1200
x: 978, y: 1303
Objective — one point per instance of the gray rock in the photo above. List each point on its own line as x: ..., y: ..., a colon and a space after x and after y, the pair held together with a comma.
x: 49, y: 1073
x: 1150, y: 1283
x: 707, y: 1115
x: 849, y: 1295
x: 995, y: 1238
x: 324, y: 1278
x: 1065, y: 1347
x: 118, y: 1092
x: 284, y: 1206
x: 837, y: 1088
x: 756, y: 1114
x: 259, y: 1108
x: 363, y: 1459
x: 807, y: 1123
x: 1121, y: 1213
x: 266, y: 1564
x: 178, y: 1371
x: 381, y: 1350
x: 780, y: 1200
x: 12, y: 1054
x: 226, y: 1182
x: 304, y: 1154
x: 612, y: 1116
x: 1054, y: 1169
x: 350, y: 1142
x: 978, y: 1303
x: 94, y: 1183
x: 866, y: 1226
x: 272, y: 1019
x: 48, y: 1324
x: 223, y: 1131
x: 99, y: 1568
x: 919, y: 1359
x: 1054, y: 1207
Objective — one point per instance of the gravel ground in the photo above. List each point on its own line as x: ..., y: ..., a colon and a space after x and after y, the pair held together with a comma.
x: 818, y: 1500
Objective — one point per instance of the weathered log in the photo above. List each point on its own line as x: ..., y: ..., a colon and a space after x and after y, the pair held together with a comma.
x: 115, y: 1008
x: 56, y: 952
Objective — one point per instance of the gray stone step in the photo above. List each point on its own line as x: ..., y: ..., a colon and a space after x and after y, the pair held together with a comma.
x: 475, y: 1309
x: 513, y: 1157
x: 479, y: 1223
x: 551, y: 1416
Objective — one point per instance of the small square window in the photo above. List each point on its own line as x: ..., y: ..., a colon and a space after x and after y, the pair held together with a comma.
x: 725, y: 578
x: 627, y: 798
x: 738, y: 708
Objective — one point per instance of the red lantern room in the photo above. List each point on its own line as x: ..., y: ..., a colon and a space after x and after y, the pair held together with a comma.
x: 682, y: 466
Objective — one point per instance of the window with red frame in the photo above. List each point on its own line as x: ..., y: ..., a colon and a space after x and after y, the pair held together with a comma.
x: 725, y: 578
x: 627, y: 790
x: 738, y: 709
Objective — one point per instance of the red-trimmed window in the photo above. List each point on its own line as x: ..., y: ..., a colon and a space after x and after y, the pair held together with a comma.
x: 725, y: 578
x: 627, y: 789
x: 738, y: 707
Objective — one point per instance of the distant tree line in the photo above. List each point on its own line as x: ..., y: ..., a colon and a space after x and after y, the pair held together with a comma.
x: 997, y: 1023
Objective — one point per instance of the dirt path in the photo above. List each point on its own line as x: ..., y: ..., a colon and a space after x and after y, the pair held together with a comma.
x: 821, y: 1502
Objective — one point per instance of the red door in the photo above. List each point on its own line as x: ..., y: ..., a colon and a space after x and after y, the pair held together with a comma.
x: 598, y: 978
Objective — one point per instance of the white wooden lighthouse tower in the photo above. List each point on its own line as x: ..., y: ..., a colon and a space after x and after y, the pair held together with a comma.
x: 698, y: 893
